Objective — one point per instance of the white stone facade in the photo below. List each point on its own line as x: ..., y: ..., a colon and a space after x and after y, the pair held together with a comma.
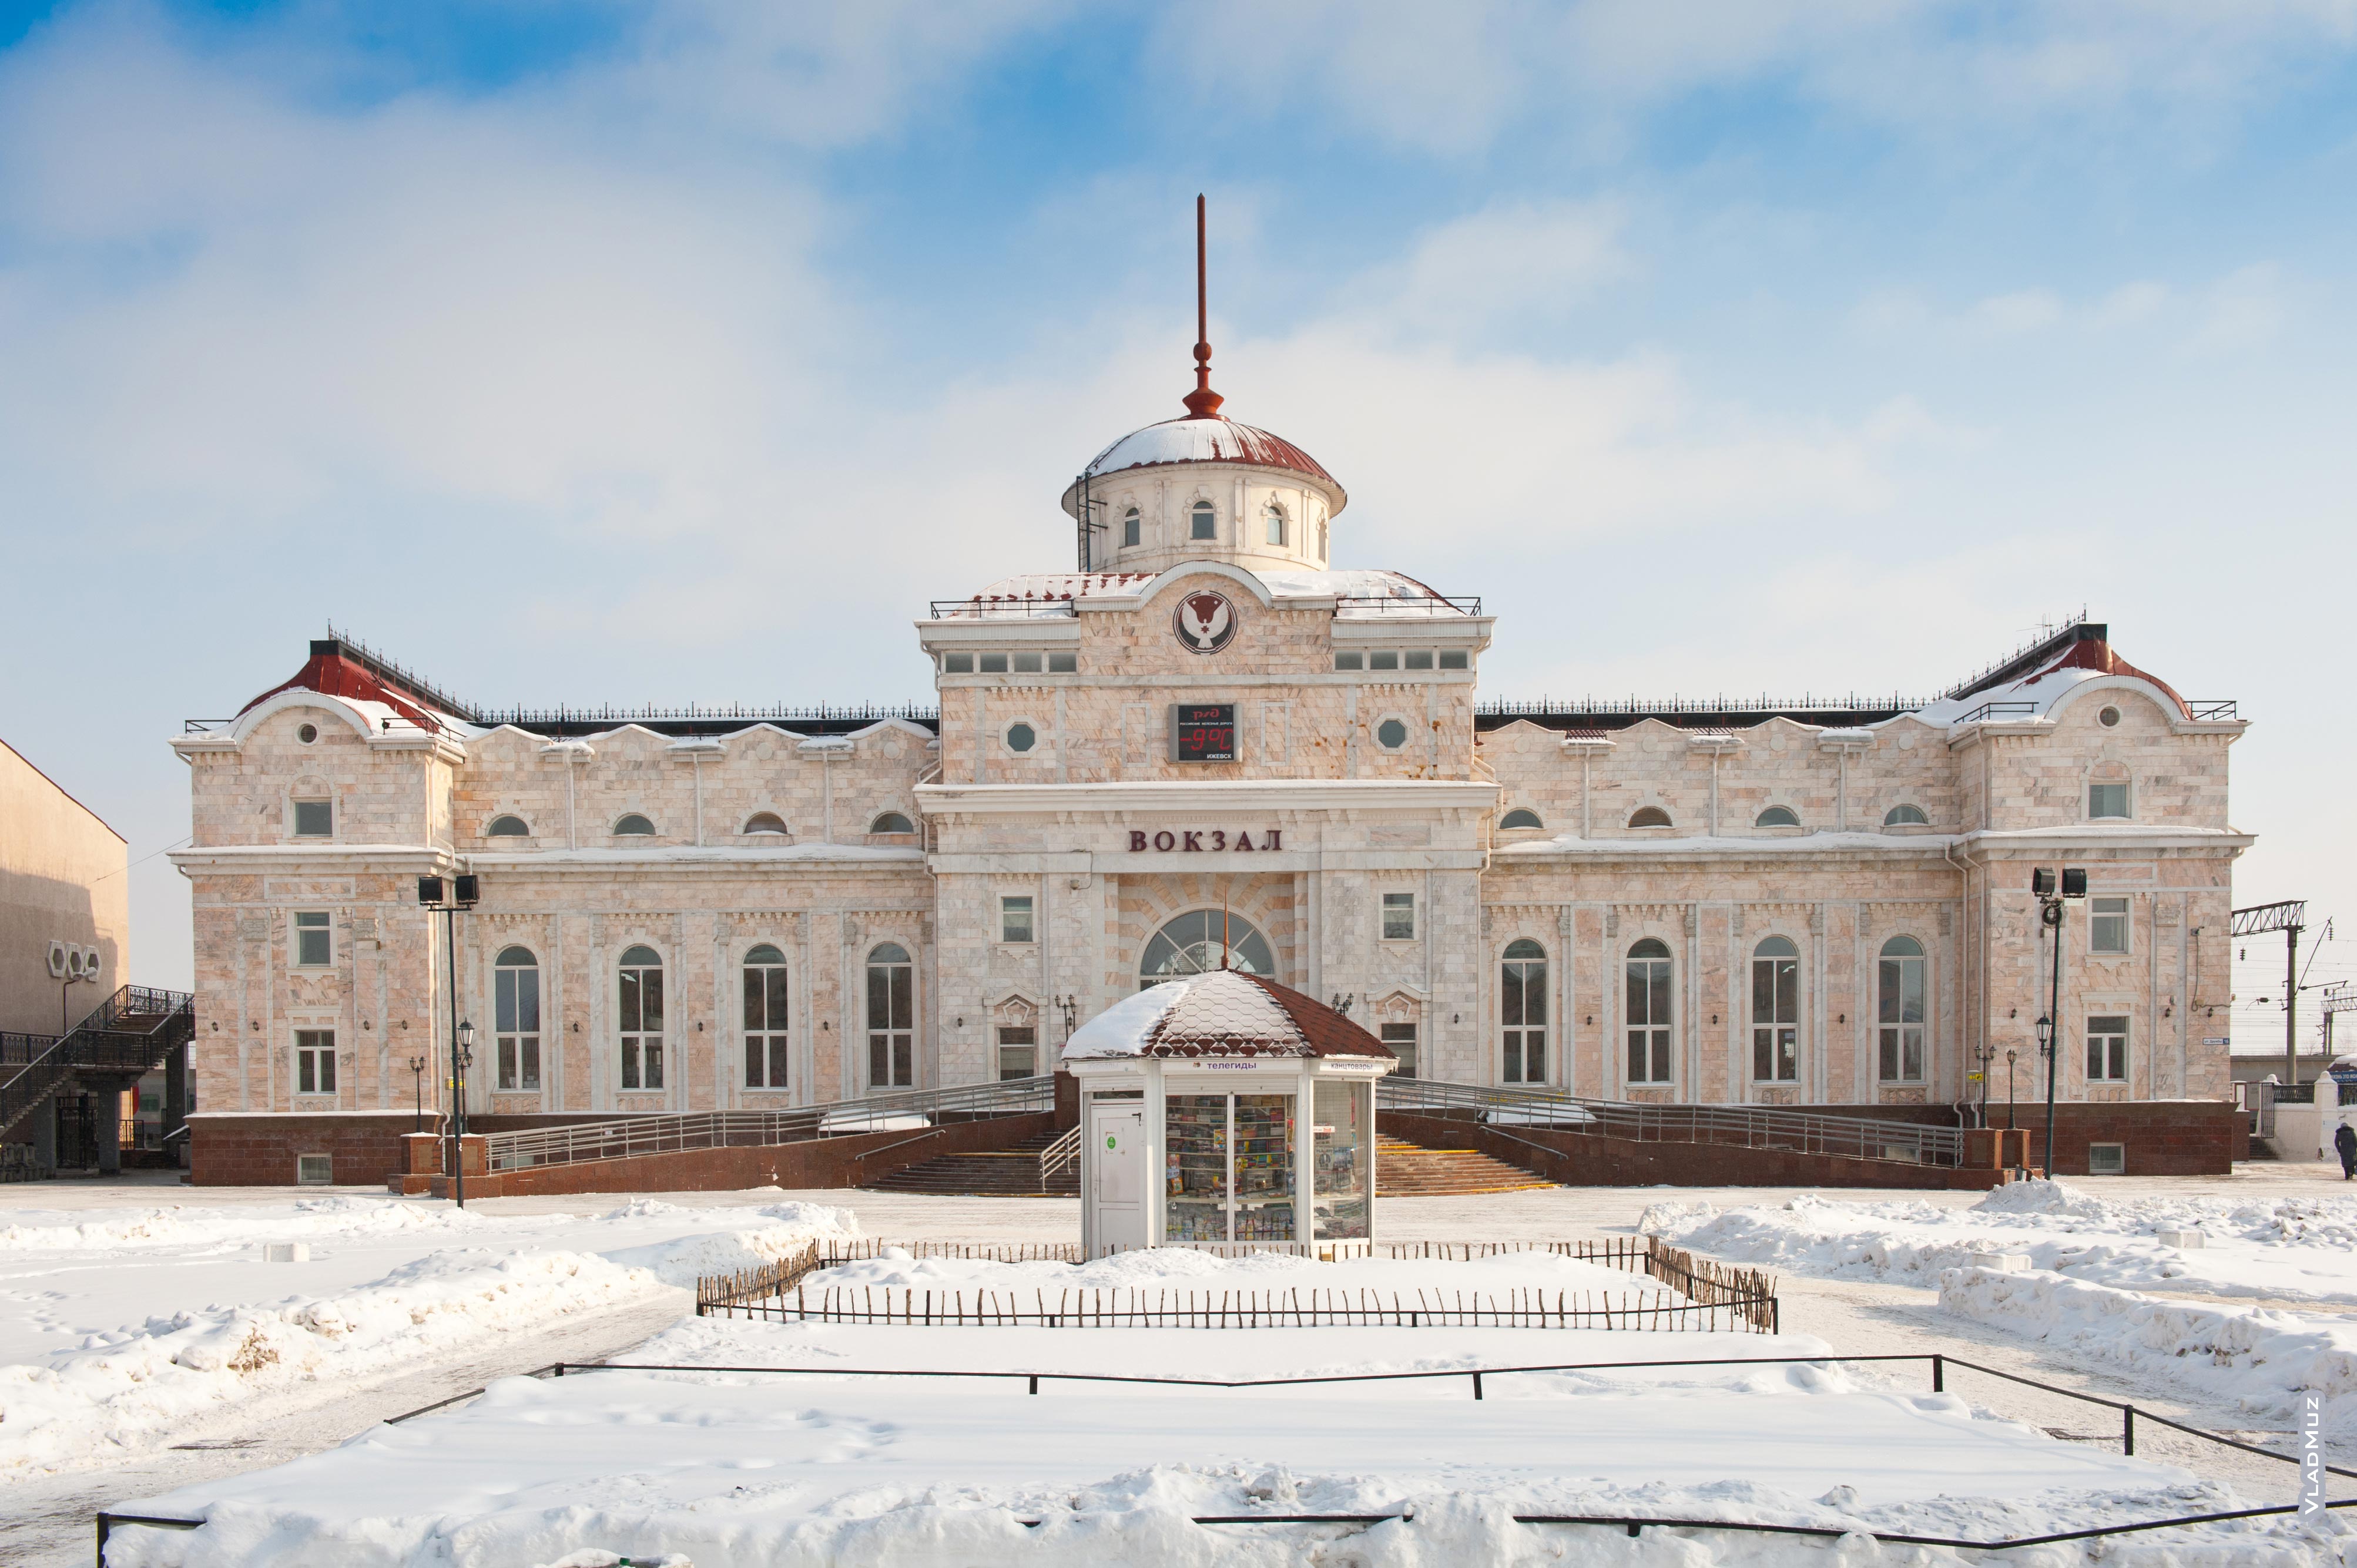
x: 1389, y: 842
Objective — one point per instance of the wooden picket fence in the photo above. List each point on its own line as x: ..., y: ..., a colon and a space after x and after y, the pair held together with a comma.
x: 1716, y: 1297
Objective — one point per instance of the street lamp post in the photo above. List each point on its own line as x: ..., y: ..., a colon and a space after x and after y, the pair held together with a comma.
x: 446, y: 898
x: 2052, y: 902
x: 417, y: 1086
x: 2009, y: 1117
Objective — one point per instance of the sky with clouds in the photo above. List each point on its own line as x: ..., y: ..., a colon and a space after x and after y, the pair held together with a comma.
x: 646, y: 353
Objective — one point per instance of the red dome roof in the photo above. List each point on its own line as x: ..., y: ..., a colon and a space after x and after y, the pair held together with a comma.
x: 1192, y: 440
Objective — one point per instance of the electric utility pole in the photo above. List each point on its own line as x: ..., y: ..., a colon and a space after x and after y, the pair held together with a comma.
x: 2290, y: 918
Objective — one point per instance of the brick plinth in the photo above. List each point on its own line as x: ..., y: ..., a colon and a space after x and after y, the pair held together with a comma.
x: 230, y: 1148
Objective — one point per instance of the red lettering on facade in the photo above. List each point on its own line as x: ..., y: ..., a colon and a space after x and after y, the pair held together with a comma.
x: 1269, y: 840
x: 1219, y: 838
x: 1192, y: 842
x: 1136, y: 839
x: 1164, y: 840
x: 1244, y: 842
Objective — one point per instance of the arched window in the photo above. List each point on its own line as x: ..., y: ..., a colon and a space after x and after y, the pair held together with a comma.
x: 1648, y: 1012
x: 515, y: 1008
x: 1132, y: 528
x: 891, y: 823
x: 632, y: 825
x: 766, y: 1016
x: 891, y: 1017
x: 507, y: 828
x: 1649, y: 817
x: 1777, y: 817
x: 1522, y: 1011
x: 1274, y: 516
x: 1200, y: 941
x: 641, y: 1016
x: 1905, y: 817
x: 1201, y: 523
x: 1520, y: 816
x: 1321, y: 539
x: 765, y: 823
x: 1898, y: 1010
x: 1776, y: 1011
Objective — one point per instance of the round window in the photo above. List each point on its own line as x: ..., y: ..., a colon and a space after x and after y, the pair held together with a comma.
x: 1021, y: 737
x: 306, y: 734
x: 2108, y: 717
x: 1392, y: 735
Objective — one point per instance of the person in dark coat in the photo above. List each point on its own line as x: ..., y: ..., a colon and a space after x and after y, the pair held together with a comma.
x: 2344, y: 1140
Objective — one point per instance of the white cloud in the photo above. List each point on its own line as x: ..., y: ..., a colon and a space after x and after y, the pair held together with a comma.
x: 1521, y: 265
x: 1451, y: 79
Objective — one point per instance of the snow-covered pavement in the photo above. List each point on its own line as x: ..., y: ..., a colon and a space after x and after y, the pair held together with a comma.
x: 120, y: 1328
x: 833, y: 1467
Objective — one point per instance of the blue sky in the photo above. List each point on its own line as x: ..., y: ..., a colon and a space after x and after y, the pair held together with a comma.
x: 614, y: 351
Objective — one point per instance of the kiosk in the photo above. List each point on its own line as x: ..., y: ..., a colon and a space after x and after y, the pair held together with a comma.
x: 1226, y: 1109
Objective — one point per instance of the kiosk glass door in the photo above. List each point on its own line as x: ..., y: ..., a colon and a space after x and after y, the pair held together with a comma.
x: 1229, y: 1167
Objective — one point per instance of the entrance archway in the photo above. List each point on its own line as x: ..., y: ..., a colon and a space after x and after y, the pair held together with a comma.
x: 1200, y: 941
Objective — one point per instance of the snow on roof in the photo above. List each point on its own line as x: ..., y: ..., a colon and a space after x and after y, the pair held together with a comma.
x: 1221, y: 1013
x: 2035, y: 695
x: 1192, y: 440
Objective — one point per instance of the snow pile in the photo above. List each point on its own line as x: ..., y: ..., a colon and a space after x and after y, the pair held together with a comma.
x: 2258, y: 1360
x: 734, y: 1469
x: 2291, y: 1248
x: 135, y: 1385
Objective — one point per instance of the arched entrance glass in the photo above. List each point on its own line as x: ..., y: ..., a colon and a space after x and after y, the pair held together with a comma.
x: 1203, y: 940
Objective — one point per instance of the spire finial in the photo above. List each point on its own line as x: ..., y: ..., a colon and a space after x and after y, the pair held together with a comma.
x: 1202, y: 402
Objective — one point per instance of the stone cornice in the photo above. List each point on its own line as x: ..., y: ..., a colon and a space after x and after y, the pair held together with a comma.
x: 1226, y: 796
x: 1930, y: 848
x: 340, y: 859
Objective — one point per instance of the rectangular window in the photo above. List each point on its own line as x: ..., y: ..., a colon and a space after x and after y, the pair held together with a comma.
x: 1775, y: 1020
x: 1275, y: 526
x: 766, y: 1015
x: 2107, y: 1049
x: 315, y: 1061
x: 1201, y: 523
x: 1018, y: 1053
x: 314, y: 818
x: 1454, y: 659
x: 1401, y: 1038
x: 1419, y: 659
x: 1899, y: 1020
x: 2107, y: 801
x: 1350, y: 662
x: 516, y: 1011
x: 1130, y: 524
x: 1382, y: 661
x: 1649, y: 1020
x: 1027, y: 664
x: 314, y: 1170
x: 1014, y: 917
x: 314, y: 938
x: 1063, y: 663
x: 2107, y: 1159
x: 1399, y: 917
x: 957, y: 663
x: 994, y: 664
x: 642, y: 1025
x: 2107, y: 926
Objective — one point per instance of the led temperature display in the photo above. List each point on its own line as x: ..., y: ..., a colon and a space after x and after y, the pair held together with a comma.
x: 1203, y: 732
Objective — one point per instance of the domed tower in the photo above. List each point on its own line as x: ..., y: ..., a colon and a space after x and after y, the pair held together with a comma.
x: 1202, y: 487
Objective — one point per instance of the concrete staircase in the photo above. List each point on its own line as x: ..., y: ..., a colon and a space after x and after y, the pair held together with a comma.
x: 1410, y: 1170
x: 1011, y: 1172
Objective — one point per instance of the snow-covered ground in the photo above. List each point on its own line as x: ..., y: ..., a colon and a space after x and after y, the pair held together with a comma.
x: 119, y: 1328
x: 2284, y: 1247
x: 736, y: 1469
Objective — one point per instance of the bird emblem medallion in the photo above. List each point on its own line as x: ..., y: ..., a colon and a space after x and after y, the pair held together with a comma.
x: 1205, y: 622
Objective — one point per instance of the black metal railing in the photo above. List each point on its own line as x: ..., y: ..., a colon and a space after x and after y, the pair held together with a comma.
x: 1004, y: 609
x: 1410, y: 603
x: 2212, y: 712
x: 1765, y: 707
x: 1988, y: 711
x: 132, y: 1032
x: 1502, y: 1111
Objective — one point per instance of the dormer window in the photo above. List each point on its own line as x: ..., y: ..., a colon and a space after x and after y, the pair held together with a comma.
x: 1274, y: 516
x: 1201, y: 524
x: 1132, y: 526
